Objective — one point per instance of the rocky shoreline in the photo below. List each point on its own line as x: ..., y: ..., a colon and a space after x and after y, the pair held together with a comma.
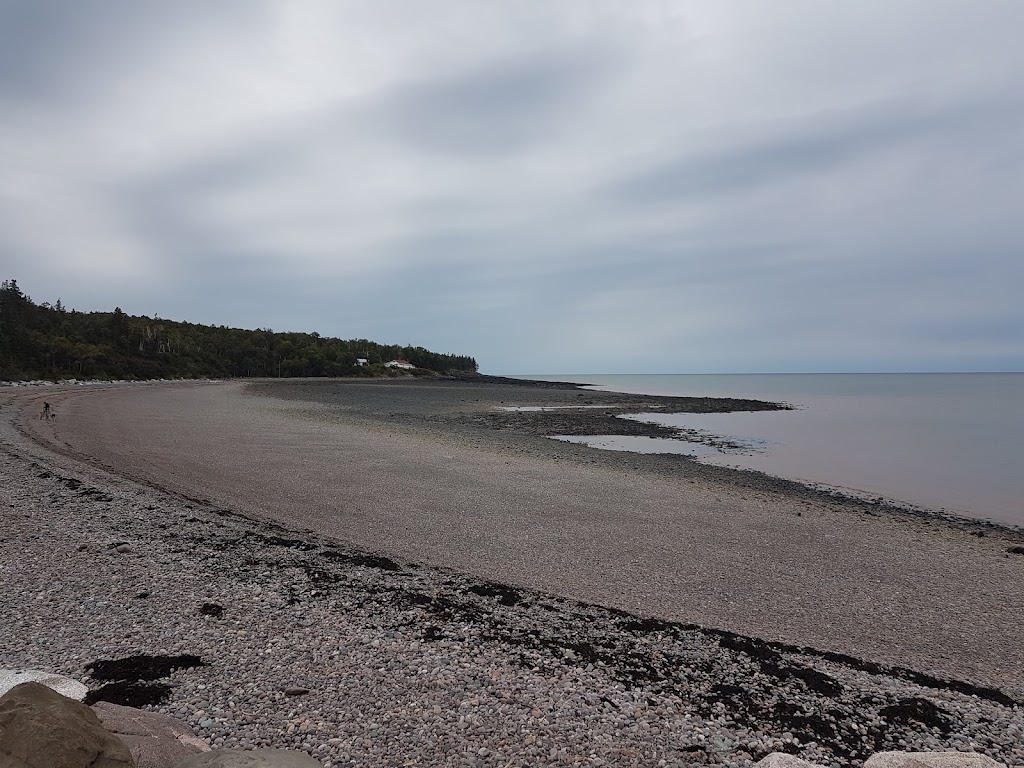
x: 481, y: 405
x: 485, y: 407
x: 294, y: 640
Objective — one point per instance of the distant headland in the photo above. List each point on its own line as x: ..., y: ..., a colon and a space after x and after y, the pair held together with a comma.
x: 44, y: 341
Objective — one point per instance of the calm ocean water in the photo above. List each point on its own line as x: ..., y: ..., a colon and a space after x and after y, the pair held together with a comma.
x: 952, y: 441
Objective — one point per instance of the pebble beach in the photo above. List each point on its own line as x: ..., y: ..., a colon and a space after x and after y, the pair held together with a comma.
x: 339, y: 637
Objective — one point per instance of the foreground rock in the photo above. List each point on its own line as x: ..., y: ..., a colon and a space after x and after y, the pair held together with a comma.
x: 65, y: 686
x: 155, y: 740
x: 257, y: 758
x: 39, y: 728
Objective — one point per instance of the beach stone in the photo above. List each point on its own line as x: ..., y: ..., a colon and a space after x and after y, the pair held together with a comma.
x: 295, y: 690
x: 65, y: 686
x: 39, y: 728
x: 931, y: 760
x: 257, y: 758
x: 155, y: 740
x: 783, y: 760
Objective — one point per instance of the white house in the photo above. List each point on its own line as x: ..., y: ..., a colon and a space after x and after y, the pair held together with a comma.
x: 399, y: 364
x: 361, y: 361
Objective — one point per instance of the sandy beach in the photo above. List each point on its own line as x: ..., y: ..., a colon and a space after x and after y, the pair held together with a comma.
x: 434, y: 473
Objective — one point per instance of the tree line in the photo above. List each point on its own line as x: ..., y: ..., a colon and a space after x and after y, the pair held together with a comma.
x: 43, y: 341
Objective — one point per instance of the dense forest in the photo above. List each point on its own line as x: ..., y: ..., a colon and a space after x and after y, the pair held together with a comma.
x: 43, y: 341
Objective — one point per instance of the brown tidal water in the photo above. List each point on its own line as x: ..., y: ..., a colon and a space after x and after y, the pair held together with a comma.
x: 952, y: 441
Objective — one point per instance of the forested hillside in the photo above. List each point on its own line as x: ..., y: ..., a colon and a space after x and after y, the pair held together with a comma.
x: 40, y: 341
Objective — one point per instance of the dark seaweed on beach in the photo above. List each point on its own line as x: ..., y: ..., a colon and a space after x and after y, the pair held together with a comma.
x: 278, y: 541
x: 132, y: 678
x: 362, y: 559
x: 648, y: 626
x: 130, y: 694
x: 432, y: 634
x: 212, y: 609
x: 141, y: 667
x: 917, y: 710
x: 506, y: 595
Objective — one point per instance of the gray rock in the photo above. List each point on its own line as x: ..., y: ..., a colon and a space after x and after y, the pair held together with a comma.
x: 39, y: 728
x: 65, y: 686
x: 782, y: 760
x: 155, y: 740
x: 257, y: 758
x: 296, y: 690
x: 931, y: 760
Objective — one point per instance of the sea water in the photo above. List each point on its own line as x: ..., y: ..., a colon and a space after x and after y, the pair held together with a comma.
x: 945, y: 441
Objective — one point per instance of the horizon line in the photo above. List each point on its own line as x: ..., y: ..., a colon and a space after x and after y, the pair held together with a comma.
x: 765, y: 373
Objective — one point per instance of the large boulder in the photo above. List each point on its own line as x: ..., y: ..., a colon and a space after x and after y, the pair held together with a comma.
x: 39, y: 728
x: 931, y: 760
x: 257, y: 758
x: 155, y: 740
x: 65, y: 686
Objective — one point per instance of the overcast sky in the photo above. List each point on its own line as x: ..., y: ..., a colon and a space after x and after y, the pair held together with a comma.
x: 552, y: 187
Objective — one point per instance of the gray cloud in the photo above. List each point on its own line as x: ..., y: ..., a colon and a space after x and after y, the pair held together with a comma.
x: 55, y: 50
x: 502, y: 106
x: 550, y: 188
x: 781, y: 151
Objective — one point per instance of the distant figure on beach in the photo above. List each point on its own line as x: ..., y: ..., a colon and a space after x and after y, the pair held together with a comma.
x: 45, y: 415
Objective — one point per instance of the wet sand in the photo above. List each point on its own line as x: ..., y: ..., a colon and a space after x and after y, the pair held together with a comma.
x: 433, y: 473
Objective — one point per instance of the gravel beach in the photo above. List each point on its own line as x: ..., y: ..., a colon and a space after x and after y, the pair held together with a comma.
x: 397, y: 573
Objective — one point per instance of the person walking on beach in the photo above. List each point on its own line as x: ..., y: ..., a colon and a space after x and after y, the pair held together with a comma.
x: 45, y: 415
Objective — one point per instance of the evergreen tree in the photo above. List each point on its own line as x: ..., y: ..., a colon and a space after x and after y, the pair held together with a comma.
x: 40, y: 341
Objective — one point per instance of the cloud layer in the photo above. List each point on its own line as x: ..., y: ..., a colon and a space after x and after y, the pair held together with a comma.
x: 552, y: 187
